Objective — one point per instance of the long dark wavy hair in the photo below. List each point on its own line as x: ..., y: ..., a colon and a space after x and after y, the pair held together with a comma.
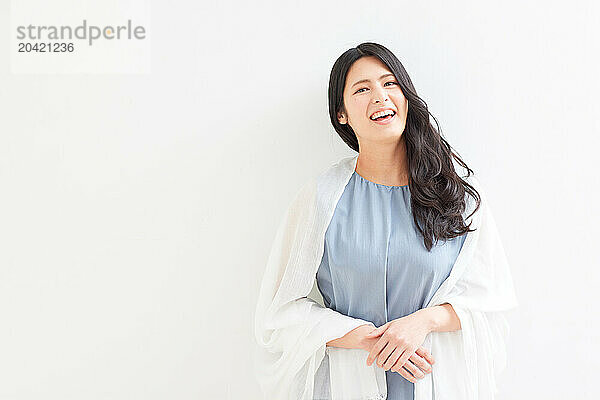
x: 437, y: 191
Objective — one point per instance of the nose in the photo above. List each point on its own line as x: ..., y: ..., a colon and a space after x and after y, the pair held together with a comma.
x: 379, y: 95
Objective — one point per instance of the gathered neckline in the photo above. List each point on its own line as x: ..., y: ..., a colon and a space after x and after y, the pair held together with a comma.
x: 378, y: 184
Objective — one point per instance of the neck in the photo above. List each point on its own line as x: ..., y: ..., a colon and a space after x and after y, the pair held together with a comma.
x: 383, y: 164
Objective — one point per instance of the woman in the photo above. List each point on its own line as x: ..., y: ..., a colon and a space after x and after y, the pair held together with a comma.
x: 385, y: 238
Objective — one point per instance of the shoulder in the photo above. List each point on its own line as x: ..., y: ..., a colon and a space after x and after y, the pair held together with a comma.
x: 472, y: 178
x: 328, y: 174
x: 474, y: 205
x: 476, y: 182
x: 337, y: 171
x: 317, y: 188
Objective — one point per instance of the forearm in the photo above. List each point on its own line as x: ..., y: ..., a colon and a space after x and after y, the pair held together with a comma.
x: 353, y: 339
x: 441, y: 318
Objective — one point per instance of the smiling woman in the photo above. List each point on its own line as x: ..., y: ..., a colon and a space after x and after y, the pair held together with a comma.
x: 368, y: 80
x: 410, y: 275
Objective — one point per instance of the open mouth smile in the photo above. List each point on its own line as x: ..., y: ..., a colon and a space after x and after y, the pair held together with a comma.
x: 383, y: 117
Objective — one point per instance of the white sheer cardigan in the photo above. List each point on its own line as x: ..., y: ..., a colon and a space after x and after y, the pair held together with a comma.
x: 292, y: 326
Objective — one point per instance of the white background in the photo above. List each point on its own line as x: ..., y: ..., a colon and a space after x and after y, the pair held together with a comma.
x: 137, y: 210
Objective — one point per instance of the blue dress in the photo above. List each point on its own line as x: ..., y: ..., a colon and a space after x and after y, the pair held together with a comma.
x: 375, y: 266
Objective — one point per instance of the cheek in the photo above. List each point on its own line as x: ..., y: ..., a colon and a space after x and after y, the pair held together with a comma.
x: 404, y: 102
x: 359, y: 106
x: 399, y: 100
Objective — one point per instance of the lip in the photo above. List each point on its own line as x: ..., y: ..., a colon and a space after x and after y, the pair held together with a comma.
x: 382, y: 109
x: 387, y: 121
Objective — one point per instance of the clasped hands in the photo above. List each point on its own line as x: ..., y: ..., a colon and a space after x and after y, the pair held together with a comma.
x: 397, y: 347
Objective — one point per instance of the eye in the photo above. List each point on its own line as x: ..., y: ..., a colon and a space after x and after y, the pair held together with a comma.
x: 359, y: 90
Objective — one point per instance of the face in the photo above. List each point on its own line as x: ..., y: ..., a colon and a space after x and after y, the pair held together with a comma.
x: 379, y: 90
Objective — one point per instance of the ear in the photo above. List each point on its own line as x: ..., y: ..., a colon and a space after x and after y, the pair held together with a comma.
x: 342, y: 118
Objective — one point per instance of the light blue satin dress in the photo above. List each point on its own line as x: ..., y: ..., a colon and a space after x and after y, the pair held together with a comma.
x: 375, y: 265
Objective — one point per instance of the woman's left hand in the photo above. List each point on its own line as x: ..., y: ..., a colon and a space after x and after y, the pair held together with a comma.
x: 400, y: 338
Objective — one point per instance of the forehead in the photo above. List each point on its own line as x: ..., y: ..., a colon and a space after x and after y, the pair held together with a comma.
x: 366, y: 68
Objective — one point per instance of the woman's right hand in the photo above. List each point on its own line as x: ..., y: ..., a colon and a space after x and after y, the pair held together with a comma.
x: 419, y: 365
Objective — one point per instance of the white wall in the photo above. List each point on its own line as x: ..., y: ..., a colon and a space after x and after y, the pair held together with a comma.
x: 137, y: 210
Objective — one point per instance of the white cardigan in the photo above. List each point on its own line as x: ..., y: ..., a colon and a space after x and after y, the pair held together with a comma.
x: 292, y: 329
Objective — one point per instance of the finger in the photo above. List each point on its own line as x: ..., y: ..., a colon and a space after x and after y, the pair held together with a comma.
x: 384, y: 354
x: 420, y: 362
x: 426, y: 354
x: 393, y: 358
x: 374, y: 333
x: 416, y: 372
x: 405, y: 374
x: 375, y: 351
x: 378, y: 331
x: 404, y: 358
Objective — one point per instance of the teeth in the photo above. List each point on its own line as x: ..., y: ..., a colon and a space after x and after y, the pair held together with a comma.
x: 381, y: 113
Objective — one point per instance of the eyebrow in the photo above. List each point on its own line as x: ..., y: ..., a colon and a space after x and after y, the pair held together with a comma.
x: 367, y: 80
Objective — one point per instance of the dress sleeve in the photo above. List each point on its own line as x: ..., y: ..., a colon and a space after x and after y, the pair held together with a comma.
x: 324, y: 282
